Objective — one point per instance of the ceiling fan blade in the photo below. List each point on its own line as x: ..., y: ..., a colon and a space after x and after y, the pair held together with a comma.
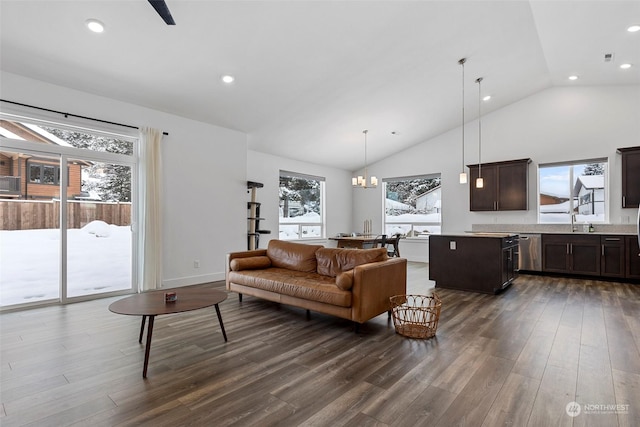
x: 163, y: 10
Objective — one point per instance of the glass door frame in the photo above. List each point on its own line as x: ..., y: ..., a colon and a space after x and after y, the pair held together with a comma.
x: 65, y: 153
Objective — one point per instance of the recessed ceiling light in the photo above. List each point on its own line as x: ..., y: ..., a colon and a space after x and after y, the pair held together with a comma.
x: 574, y: 77
x: 625, y: 66
x: 228, y: 79
x: 486, y: 98
x: 633, y: 28
x: 95, y: 25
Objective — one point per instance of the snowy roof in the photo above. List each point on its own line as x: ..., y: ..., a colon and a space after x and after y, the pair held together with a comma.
x: 590, y: 182
x: 430, y: 191
x: 394, y: 204
x: 556, y: 208
x: 51, y: 137
x: 8, y: 134
x: 37, y: 129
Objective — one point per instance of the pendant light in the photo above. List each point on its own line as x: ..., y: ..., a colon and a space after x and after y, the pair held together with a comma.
x: 463, y: 174
x: 479, y: 180
x: 361, y: 181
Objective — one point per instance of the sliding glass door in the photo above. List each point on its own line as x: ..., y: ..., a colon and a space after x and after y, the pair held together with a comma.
x: 48, y: 173
x: 99, y: 236
x: 29, y: 228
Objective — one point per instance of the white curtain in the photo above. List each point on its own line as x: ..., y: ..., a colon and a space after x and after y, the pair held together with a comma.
x: 150, y: 266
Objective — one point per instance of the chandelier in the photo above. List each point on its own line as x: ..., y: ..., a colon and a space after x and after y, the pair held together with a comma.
x: 365, y: 181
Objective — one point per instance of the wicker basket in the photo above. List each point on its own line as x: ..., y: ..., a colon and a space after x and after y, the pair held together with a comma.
x: 416, y: 316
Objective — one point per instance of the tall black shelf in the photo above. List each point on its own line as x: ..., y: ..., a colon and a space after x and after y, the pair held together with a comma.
x: 253, y: 220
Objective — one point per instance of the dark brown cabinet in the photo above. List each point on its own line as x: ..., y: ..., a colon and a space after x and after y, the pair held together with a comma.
x: 612, y: 256
x: 473, y: 263
x: 505, y: 186
x: 575, y: 254
x: 630, y: 176
x: 485, y: 198
x: 632, y: 252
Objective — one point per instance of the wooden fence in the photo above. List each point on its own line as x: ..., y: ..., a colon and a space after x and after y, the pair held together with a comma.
x: 34, y: 214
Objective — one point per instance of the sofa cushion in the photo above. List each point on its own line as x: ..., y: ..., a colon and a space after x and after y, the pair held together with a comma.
x: 250, y: 263
x: 293, y: 256
x: 333, y: 261
x: 344, y: 280
x: 309, y: 286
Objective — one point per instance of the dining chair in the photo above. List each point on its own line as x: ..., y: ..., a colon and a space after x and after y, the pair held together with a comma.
x: 380, y: 241
x: 393, y: 245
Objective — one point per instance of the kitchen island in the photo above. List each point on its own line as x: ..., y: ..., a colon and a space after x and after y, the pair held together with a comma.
x: 478, y: 262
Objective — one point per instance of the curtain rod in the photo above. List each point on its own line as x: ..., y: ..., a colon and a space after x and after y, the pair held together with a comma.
x: 74, y: 115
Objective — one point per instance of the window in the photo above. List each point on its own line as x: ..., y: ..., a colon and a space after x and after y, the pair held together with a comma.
x: 413, y: 206
x: 41, y: 173
x: 301, y: 205
x: 573, y: 192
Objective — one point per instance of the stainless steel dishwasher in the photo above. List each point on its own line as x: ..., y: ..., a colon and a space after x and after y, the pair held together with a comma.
x: 530, y: 252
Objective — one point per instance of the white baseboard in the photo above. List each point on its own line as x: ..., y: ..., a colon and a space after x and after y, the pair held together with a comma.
x: 192, y: 280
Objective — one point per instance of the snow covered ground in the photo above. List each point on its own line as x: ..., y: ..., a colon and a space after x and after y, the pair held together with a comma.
x: 291, y: 232
x: 99, y: 260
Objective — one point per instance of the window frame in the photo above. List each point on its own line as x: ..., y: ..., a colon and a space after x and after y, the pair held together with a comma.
x: 302, y: 224
x: 410, y: 235
x: 574, y: 202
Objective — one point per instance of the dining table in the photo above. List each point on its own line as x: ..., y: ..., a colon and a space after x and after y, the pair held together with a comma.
x: 356, y: 242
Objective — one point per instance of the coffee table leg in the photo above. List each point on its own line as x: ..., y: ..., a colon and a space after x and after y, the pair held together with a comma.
x: 148, y: 346
x: 224, y: 334
x: 144, y: 319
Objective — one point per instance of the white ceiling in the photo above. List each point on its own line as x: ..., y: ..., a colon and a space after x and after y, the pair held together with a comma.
x: 311, y: 75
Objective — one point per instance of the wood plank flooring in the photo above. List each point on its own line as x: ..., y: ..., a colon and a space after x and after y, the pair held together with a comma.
x: 514, y: 359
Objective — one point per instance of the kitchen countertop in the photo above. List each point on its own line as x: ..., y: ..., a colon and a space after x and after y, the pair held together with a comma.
x: 600, y: 229
x: 480, y: 234
x: 596, y: 233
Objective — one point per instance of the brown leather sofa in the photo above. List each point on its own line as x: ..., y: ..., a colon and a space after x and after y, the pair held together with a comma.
x: 353, y: 284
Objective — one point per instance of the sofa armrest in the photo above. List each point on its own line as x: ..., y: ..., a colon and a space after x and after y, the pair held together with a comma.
x: 374, y: 284
x: 243, y: 254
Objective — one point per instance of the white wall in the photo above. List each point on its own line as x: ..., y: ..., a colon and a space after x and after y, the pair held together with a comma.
x: 557, y: 124
x: 204, y: 180
x: 265, y: 168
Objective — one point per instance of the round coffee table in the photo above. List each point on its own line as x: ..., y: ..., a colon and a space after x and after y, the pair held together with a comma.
x: 152, y: 304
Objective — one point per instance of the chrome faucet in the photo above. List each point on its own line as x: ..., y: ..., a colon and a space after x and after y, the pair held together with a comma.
x: 573, y: 223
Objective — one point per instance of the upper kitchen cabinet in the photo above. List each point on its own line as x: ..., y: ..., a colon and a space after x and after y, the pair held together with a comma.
x: 630, y: 176
x: 506, y: 186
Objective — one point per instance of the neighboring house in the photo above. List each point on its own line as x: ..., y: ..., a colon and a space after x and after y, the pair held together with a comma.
x: 551, y: 204
x: 549, y: 199
x: 24, y: 176
x: 430, y: 202
x: 589, y: 190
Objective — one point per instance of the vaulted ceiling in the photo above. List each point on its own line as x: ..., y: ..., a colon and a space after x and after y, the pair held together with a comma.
x: 311, y: 75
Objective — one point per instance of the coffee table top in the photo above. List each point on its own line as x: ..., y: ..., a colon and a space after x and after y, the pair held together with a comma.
x: 152, y: 303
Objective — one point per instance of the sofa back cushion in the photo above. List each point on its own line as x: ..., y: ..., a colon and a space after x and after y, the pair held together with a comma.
x: 332, y: 261
x: 293, y: 256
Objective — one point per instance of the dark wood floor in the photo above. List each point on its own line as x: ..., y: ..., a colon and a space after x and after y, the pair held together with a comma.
x: 515, y: 359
